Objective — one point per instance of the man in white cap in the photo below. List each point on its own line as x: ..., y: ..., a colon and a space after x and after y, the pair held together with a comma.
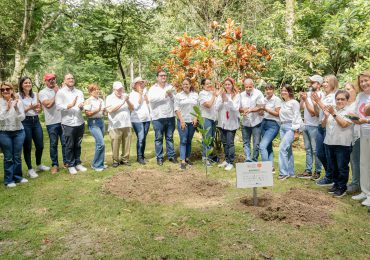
x: 118, y: 107
x: 140, y: 116
x: 311, y: 125
x: 70, y: 101
x: 53, y: 120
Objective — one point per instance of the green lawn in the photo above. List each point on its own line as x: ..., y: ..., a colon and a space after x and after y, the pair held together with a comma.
x: 64, y: 216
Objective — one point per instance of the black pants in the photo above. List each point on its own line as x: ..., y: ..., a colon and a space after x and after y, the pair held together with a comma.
x: 227, y: 139
x: 73, y: 139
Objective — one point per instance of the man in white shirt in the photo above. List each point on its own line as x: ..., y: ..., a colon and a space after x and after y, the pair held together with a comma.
x: 250, y: 104
x: 118, y: 107
x: 161, y: 99
x: 311, y: 125
x: 53, y: 119
x: 70, y: 102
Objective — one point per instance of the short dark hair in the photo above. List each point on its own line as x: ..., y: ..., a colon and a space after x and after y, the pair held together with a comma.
x: 203, y: 81
x: 288, y: 88
x: 344, y: 92
x: 20, y: 88
x: 269, y: 86
x: 159, y: 71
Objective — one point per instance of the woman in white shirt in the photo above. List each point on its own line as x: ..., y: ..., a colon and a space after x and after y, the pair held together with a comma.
x: 140, y: 116
x: 362, y: 104
x: 291, y: 122
x: 338, y: 138
x: 227, y: 105
x: 32, y: 126
x: 270, y: 124
x: 11, y: 135
x: 186, y: 123
x: 94, y: 110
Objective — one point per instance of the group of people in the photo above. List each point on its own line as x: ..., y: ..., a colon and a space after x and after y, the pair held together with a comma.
x: 335, y: 125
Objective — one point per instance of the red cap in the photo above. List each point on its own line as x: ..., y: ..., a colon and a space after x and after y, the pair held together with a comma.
x: 48, y: 76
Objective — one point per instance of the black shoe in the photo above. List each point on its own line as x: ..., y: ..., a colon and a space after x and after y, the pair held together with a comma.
x: 159, y: 162
x: 339, y: 193
x: 141, y: 161
x: 125, y: 163
x: 115, y: 165
x: 183, y: 166
x: 333, y: 189
x: 173, y: 160
x: 188, y: 162
x: 145, y: 160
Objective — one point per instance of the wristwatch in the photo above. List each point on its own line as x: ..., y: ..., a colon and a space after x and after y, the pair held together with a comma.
x: 334, y: 115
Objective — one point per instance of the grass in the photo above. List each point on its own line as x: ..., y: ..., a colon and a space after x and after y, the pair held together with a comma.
x: 64, y: 216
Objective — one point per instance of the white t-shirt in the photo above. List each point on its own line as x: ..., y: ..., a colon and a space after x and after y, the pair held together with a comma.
x: 272, y: 103
x: 27, y: 101
x: 290, y: 111
x: 337, y: 135
x: 210, y: 113
x: 185, y: 104
x: 251, y: 100
x: 308, y: 118
x: 228, y: 112
x: 93, y: 103
x: 120, y: 118
x: 361, y: 101
x: 141, y: 111
x: 52, y: 115
x: 161, y: 105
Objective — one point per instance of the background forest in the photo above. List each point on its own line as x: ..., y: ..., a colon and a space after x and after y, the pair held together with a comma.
x: 102, y: 41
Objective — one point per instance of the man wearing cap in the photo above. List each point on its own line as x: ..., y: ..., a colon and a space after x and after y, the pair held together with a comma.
x: 140, y: 116
x: 311, y: 125
x: 52, y: 120
x: 70, y: 101
x: 118, y: 107
x: 161, y: 100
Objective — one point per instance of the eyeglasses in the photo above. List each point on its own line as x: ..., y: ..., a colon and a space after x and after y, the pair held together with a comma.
x: 5, y: 89
x: 340, y: 99
x: 52, y: 79
x: 162, y: 75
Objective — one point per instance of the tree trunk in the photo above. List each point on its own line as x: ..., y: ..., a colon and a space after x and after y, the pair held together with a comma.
x: 132, y: 69
x: 289, y: 22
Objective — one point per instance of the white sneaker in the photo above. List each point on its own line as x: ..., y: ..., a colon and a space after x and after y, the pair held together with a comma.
x: 224, y: 164
x: 72, y: 170
x: 11, y: 185
x: 361, y: 196
x: 24, y: 180
x: 229, y: 167
x: 81, y: 168
x: 99, y: 169
x: 43, y: 168
x: 366, y: 202
x: 32, y: 174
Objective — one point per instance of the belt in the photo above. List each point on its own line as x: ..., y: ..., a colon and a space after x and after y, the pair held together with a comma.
x: 286, y: 122
x: 32, y: 117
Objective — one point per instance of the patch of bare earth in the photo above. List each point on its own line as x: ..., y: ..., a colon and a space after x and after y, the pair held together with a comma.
x: 297, y: 207
x: 190, y: 188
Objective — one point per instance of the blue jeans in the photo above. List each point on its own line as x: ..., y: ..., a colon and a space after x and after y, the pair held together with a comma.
x: 286, y: 158
x: 186, y: 136
x: 11, y: 143
x: 96, y: 128
x: 339, y: 157
x: 33, y: 131
x: 227, y: 139
x: 55, y: 132
x: 322, y: 152
x: 309, y: 137
x: 247, y: 133
x: 141, y: 130
x: 355, y: 163
x: 164, y: 127
x: 269, y: 130
x: 211, y: 126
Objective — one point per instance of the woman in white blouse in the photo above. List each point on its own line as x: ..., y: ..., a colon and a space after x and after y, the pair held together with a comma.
x: 94, y: 110
x: 186, y: 123
x: 11, y: 135
x: 140, y: 116
x: 227, y: 105
x: 291, y: 121
x: 338, y: 138
x: 32, y: 126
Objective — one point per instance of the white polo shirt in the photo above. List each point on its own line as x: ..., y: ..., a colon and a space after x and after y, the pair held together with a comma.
x: 52, y: 115
x: 337, y: 135
x: 185, y: 104
x: 210, y: 113
x: 121, y: 117
x: 64, y: 97
x: 251, y: 100
x: 161, y: 106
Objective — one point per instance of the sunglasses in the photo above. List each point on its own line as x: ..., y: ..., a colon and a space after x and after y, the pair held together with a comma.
x: 52, y: 79
x: 5, y: 89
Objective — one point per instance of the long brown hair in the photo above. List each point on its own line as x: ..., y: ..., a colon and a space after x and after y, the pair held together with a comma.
x: 332, y: 81
x: 232, y: 81
x: 365, y: 73
x: 191, y: 84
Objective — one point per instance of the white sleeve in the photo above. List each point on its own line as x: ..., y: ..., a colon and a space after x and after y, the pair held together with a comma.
x: 177, y: 103
x: 133, y: 98
x: 297, y: 119
x: 59, y: 101
x: 233, y: 103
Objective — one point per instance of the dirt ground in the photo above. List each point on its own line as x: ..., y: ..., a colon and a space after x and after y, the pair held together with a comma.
x: 192, y: 189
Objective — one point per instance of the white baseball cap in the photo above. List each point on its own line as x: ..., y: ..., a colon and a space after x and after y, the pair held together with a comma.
x: 117, y: 85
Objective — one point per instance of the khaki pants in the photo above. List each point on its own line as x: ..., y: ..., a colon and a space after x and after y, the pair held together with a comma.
x: 120, y: 136
x: 365, y: 166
